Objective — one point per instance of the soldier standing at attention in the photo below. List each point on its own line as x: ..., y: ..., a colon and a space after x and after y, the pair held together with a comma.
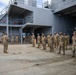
x: 38, y: 40
x: 66, y: 41
x: 74, y: 43
x: 51, y: 43
x: 5, y: 40
x: 61, y: 43
x: 1, y: 39
x: 33, y: 39
x: 41, y: 37
x: 55, y: 39
x: 44, y: 42
x: 48, y: 39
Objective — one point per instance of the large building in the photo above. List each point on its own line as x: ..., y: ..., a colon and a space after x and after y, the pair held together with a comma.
x: 22, y: 16
x: 64, y: 16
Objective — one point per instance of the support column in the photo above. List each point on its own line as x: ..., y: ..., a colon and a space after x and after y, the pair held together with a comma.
x: 7, y: 26
x: 21, y: 35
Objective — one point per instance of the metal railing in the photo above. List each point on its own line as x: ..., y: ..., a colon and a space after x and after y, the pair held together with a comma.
x: 4, y: 11
x: 15, y: 21
x: 61, y: 4
x: 3, y: 21
x: 33, y: 3
x: 20, y: 21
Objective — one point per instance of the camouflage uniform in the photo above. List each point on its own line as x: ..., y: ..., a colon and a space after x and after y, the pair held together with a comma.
x: 44, y: 42
x: 12, y: 39
x: 51, y: 41
x: 74, y: 43
x: 66, y: 41
x: 48, y: 40
x: 61, y: 44
x: 5, y: 40
x: 41, y: 38
x: 55, y: 40
x: 33, y: 40
x: 38, y: 41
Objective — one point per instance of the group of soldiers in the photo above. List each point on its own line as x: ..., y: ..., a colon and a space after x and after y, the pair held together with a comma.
x: 57, y: 41
x: 15, y: 39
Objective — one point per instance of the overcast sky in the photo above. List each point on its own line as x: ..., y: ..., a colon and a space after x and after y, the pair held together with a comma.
x: 4, y: 3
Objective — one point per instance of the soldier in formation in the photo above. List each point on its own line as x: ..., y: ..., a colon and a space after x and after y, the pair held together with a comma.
x: 55, y: 39
x: 33, y: 39
x: 48, y: 39
x: 58, y: 41
x: 5, y: 41
x: 17, y: 39
x: 65, y: 41
x: 1, y: 39
x: 44, y: 42
x: 61, y: 43
x: 38, y: 41
x: 51, y: 43
x: 74, y: 43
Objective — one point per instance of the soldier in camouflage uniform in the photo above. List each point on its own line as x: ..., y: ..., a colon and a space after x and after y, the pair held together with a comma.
x: 33, y: 39
x: 38, y: 40
x: 44, y: 42
x: 1, y: 39
x: 51, y: 42
x: 5, y: 40
x: 74, y: 43
x: 41, y: 38
x: 48, y: 39
x: 66, y: 41
x: 61, y: 43
x: 55, y: 39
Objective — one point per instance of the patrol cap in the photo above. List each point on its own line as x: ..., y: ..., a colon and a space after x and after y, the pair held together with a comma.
x: 42, y: 33
x: 74, y: 32
x: 38, y: 34
x: 61, y: 33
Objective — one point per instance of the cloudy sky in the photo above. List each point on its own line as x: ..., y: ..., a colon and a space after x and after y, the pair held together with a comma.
x: 4, y: 3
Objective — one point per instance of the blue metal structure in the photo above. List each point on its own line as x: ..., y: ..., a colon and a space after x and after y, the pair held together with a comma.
x: 25, y: 16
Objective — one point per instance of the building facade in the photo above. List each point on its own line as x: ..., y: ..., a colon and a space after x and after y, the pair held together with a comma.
x: 19, y: 17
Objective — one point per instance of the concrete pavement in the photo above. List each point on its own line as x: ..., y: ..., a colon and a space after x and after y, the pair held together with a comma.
x: 27, y: 60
